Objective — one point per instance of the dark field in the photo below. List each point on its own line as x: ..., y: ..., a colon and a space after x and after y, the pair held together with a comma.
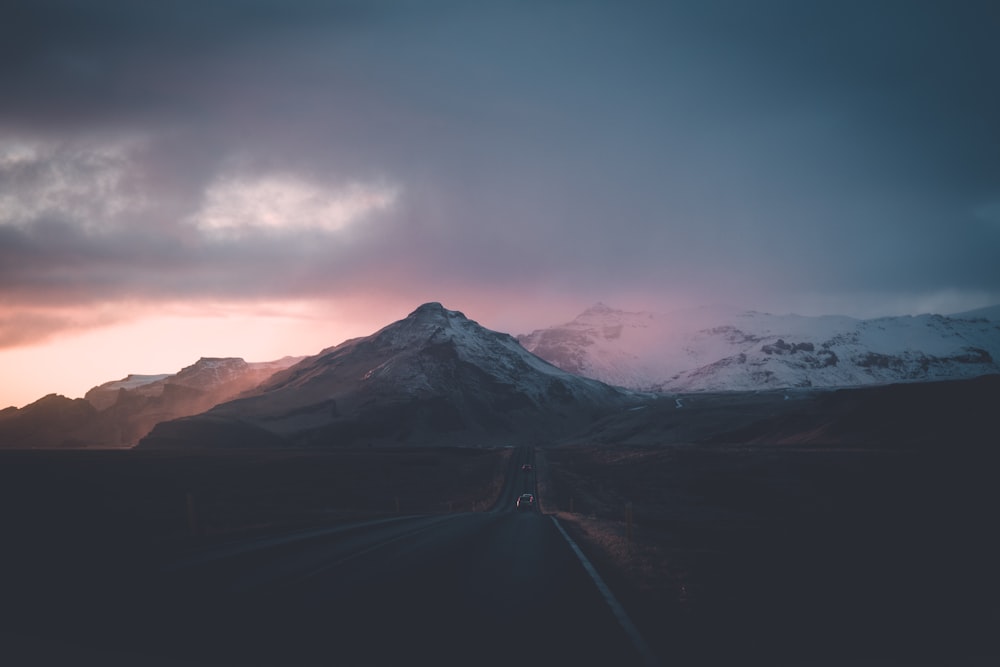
x: 780, y: 555
x: 78, y: 522
x: 163, y: 497
x: 738, y: 554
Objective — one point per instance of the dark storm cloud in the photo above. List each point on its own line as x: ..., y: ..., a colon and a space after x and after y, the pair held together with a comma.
x: 735, y: 150
x: 67, y: 63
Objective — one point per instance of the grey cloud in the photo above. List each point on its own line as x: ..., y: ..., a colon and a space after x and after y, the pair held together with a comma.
x: 594, y: 147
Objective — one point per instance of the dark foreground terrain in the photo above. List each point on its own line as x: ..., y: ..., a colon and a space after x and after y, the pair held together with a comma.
x: 793, y: 555
x: 108, y: 562
x: 92, y: 542
x: 738, y: 554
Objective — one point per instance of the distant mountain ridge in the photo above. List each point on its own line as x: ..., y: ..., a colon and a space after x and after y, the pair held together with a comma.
x: 439, y: 377
x: 726, y: 349
x: 435, y: 376
x: 119, y: 413
x: 220, y: 378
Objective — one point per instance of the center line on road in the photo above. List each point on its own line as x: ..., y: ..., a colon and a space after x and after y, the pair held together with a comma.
x: 648, y: 659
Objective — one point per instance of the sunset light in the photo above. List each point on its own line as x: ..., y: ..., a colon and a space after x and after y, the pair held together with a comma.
x: 162, y: 160
x: 499, y: 332
x: 108, y: 342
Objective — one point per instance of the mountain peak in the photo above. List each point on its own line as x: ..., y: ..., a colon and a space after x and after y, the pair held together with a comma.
x: 430, y: 306
x: 599, y: 308
x: 434, y: 310
x: 429, y: 322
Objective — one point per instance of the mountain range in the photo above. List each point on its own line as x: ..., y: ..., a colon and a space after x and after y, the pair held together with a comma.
x: 720, y: 349
x: 439, y: 377
x: 120, y: 412
x: 433, y: 377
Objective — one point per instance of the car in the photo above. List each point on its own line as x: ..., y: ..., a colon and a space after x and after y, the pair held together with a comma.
x: 526, y: 501
x: 526, y: 466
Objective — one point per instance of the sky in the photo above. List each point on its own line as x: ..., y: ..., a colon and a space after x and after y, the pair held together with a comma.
x: 261, y: 178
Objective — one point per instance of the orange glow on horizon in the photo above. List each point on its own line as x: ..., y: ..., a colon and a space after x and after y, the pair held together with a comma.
x: 107, y: 342
x: 166, y: 339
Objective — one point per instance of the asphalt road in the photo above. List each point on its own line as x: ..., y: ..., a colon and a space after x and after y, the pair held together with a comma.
x: 489, y: 588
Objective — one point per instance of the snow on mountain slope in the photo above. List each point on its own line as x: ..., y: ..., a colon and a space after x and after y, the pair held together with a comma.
x: 500, y: 355
x: 991, y: 313
x: 726, y: 349
x: 435, y: 376
x: 415, y: 356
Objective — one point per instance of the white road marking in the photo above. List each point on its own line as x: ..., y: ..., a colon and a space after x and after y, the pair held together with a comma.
x: 648, y: 659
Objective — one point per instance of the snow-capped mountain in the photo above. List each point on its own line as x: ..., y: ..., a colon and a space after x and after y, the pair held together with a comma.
x: 438, y: 377
x: 725, y: 349
x: 434, y: 376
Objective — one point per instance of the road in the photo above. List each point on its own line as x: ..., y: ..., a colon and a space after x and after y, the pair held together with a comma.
x: 487, y: 588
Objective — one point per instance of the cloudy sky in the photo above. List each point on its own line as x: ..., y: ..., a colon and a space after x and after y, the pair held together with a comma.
x: 258, y: 178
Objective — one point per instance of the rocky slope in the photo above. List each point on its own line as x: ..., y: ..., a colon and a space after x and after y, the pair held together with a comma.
x: 435, y: 376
